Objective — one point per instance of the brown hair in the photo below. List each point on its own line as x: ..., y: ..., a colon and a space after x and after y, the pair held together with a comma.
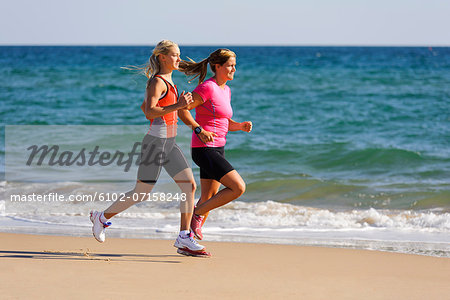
x: 191, y: 68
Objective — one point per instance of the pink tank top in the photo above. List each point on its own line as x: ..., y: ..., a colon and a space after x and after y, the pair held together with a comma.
x: 214, y: 113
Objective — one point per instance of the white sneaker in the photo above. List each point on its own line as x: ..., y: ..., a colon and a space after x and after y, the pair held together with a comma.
x: 188, y: 242
x: 98, y: 227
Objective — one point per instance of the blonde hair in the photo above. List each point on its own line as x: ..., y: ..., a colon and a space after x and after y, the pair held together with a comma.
x: 200, y: 69
x: 153, y: 67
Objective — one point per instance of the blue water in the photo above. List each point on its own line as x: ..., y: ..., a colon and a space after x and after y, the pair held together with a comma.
x: 365, y: 122
x: 335, y: 128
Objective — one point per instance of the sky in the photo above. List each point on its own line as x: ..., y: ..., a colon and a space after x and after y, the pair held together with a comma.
x: 231, y: 22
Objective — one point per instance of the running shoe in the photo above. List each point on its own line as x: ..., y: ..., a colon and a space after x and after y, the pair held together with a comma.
x: 98, y: 227
x: 188, y: 252
x: 188, y: 242
x: 196, y: 226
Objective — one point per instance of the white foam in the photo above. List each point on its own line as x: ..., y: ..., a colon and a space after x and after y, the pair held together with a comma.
x: 268, y: 222
x: 281, y: 215
x: 2, y: 208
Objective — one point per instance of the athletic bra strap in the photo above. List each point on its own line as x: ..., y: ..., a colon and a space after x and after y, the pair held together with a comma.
x: 167, y: 85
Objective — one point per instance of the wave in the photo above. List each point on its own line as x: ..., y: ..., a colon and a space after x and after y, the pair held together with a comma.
x: 270, y: 215
x: 305, y: 190
x: 331, y: 155
x: 424, y: 232
x: 278, y: 215
x: 372, y: 157
x: 419, y: 232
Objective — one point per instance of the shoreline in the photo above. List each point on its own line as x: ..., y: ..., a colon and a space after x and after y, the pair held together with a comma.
x: 69, y: 267
x: 425, y: 244
x: 359, y: 245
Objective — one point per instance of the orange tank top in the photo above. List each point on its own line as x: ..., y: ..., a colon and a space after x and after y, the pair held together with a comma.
x: 166, y: 125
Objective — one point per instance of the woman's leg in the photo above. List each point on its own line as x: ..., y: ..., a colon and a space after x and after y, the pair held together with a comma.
x: 178, y: 168
x: 150, y: 166
x: 186, y: 183
x: 100, y: 219
x: 209, y: 188
x: 234, y: 188
x: 141, y: 190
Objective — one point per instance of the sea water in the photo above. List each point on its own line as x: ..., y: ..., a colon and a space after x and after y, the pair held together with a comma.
x: 350, y: 145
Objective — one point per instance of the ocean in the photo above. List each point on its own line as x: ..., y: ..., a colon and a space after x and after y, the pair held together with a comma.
x: 350, y: 145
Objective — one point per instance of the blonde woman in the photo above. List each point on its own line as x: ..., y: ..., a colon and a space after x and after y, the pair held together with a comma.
x: 212, y: 103
x: 159, y: 149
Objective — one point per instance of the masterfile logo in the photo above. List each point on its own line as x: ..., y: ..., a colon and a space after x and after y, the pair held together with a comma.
x: 76, y: 153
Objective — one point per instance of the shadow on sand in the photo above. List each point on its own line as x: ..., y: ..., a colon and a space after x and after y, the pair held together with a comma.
x: 86, y: 255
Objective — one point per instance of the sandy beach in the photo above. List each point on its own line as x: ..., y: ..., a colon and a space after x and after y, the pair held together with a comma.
x: 49, y: 267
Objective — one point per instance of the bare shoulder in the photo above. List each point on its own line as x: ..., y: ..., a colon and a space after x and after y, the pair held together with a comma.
x: 155, y: 81
x: 156, y: 84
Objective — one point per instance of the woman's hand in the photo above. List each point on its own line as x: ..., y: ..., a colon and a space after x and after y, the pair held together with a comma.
x: 185, y: 99
x: 207, y: 136
x: 246, y: 126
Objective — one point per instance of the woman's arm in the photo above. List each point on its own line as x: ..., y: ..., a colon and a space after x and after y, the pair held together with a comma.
x: 152, y: 94
x: 235, y: 126
x: 186, y: 117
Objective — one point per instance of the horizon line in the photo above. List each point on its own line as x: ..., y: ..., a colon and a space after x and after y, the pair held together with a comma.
x: 232, y: 45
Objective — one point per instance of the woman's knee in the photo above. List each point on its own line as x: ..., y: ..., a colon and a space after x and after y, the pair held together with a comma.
x: 193, y: 185
x: 143, y: 187
x: 188, y: 186
x: 234, y: 182
x: 239, y: 188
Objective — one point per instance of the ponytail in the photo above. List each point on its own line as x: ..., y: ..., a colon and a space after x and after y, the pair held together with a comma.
x: 200, y: 69
x: 191, y: 68
x: 153, y: 67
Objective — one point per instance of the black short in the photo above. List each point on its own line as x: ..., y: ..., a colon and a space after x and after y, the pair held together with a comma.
x: 212, y: 162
